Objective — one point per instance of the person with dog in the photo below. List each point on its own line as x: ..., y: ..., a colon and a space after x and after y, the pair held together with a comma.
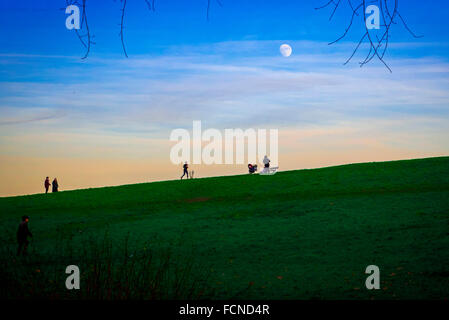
x: 186, y: 170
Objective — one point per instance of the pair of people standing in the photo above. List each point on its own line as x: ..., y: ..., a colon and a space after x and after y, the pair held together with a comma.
x: 54, y: 185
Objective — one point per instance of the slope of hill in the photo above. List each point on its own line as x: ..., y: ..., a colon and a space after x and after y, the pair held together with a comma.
x: 302, y: 234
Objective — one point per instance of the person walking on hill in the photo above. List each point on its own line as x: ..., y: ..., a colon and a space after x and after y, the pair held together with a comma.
x: 22, y: 234
x: 186, y: 170
x: 47, y: 184
x: 55, y: 185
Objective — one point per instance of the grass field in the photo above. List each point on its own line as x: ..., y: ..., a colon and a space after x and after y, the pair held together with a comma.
x: 305, y: 234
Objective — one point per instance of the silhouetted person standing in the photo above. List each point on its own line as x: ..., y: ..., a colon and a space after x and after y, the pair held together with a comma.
x: 47, y: 184
x: 186, y: 172
x: 22, y: 234
x: 55, y: 185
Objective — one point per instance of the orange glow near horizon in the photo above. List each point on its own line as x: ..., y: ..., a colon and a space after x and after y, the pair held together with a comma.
x: 298, y: 149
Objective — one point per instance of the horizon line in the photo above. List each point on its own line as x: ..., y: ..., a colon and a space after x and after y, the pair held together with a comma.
x: 224, y: 176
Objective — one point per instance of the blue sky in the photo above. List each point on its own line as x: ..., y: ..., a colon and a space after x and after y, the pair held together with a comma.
x: 38, y: 26
x: 226, y: 71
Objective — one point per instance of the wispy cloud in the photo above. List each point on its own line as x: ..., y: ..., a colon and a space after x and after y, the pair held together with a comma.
x: 151, y: 95
x: 165, y: 91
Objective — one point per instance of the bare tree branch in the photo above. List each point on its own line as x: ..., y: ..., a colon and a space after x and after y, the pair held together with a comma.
x: 354, y: 12
x: 121, y: 27
x: 408, y: 29
x: 372, y: 46
x: 84, y: 27
x: 327, y: 4
x: 378, y: 46
x: 375, y: 43
x: 335, y: 9
x: 208, y: 7
x: 150, y: 5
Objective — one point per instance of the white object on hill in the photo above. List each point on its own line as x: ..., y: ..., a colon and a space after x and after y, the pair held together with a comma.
x: 269, y: 171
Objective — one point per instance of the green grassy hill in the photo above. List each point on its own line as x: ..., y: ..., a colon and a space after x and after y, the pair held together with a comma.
x: 305, y: 234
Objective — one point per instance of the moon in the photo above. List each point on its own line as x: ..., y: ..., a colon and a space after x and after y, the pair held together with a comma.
x: 285, y: 50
